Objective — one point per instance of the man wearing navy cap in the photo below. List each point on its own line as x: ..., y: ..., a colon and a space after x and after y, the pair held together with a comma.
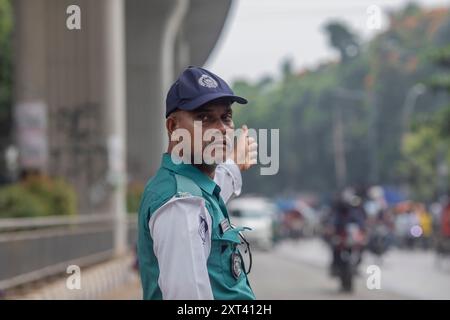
x: 187, y: 247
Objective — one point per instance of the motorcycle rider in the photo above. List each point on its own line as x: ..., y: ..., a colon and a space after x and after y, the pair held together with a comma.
x: 346, y: 209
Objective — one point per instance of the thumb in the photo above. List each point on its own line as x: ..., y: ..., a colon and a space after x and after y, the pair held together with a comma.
x: 244, y: 130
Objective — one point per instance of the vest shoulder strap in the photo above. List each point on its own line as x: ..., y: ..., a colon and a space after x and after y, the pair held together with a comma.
x: 187, y: 187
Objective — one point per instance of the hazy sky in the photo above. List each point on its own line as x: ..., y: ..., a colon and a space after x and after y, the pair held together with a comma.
x: 259, y: 34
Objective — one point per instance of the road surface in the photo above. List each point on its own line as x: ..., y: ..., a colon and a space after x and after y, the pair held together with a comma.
x: 298, y: 270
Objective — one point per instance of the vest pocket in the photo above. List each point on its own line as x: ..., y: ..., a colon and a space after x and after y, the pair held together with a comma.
x: 230, y: 258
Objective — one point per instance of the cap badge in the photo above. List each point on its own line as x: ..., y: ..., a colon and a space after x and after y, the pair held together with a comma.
x: 207, y: 81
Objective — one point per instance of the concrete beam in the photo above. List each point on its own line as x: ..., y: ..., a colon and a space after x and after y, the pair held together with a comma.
x: 203, y: 27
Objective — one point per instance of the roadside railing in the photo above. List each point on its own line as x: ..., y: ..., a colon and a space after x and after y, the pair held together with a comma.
x: 35, y: 248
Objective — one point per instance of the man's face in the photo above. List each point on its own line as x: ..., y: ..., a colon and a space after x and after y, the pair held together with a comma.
x: 217, y: 116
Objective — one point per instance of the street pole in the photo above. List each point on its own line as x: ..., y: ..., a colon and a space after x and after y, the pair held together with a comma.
x: 410, y: 103
x: 339, y: 147
x: 114, y: 30
x: 372, y: 140
x: 340, y: 160
x: 442, y: 170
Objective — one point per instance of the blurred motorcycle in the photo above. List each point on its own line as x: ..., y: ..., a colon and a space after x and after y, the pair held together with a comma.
x: 380, y: 240
x: 348, y: 246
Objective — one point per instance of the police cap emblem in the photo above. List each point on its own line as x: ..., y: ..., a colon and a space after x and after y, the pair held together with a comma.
x: 207, y: 81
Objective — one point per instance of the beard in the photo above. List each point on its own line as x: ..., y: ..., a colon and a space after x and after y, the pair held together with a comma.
x: 218, y: 151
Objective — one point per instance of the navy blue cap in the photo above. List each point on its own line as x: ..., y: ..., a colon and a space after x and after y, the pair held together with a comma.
x: 196, y: 87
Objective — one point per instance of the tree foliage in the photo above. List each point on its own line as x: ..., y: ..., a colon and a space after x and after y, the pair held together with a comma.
x: 379, y: 78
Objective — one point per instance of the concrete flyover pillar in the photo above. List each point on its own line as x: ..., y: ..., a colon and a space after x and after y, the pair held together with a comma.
x: 30, y: 104
x: 114, y: 27
x: 73, y: 80
x: 151, y: 32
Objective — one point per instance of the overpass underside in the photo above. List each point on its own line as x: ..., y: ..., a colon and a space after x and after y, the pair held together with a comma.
x: 85, y: 97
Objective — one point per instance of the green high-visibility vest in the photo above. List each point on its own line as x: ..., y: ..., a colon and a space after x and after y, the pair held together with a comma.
x: 181, y: 180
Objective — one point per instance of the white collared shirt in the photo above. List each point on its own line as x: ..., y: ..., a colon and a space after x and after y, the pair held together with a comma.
x: 181, y: 249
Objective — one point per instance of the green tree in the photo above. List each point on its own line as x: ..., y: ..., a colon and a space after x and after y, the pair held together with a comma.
x: 386, y: 67
x: 343, y: 40
x: 427, y: 149
x: 5, y: 76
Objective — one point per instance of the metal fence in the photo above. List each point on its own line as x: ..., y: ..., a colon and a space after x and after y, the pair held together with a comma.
x: 34, y: 248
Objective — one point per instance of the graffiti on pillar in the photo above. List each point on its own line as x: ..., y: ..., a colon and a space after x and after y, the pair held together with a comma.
x: 78, y: 148
x: 31, y: 128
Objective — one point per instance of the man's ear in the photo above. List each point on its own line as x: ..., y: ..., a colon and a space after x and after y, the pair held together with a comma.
x: 171, y: 124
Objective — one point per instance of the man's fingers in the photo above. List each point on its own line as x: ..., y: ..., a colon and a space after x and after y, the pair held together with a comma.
x: 244, y: 133
x: 253, y: 157
x: 252, y: 146
x: 247, y: 150
x: 242, y: 139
